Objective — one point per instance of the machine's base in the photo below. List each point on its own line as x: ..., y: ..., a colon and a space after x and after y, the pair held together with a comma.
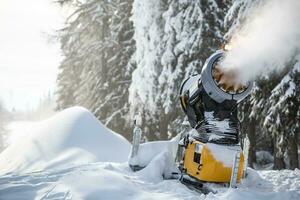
x: 196, y: 185
x: 136, y: 167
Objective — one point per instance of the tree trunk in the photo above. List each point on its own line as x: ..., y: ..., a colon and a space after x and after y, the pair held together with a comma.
x: 279, y: 163
x: 165, y: 121
x: 163, y: 128
x: 293, y: 152
x: 278, y: 156
x: 252, y: 139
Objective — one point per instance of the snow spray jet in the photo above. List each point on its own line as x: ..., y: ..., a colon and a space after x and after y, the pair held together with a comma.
x: 267, y: 41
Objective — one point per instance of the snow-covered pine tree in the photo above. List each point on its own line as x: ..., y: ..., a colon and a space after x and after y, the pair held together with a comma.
x: 259, y: 109
x: 173, y: 39
x: 70, y: 68
x: 248, y: 127
x: 112, y: 105
x: 67, y: 83
x: 97, y: 45
x: 238, y: 13
x: 283, y: 115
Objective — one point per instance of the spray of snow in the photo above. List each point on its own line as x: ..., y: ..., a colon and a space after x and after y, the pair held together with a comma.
x: 267, y: 41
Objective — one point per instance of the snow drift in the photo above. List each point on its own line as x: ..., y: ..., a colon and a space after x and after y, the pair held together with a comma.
x: 158, y: 158
x: 73, y: 136
x: 148, y: 151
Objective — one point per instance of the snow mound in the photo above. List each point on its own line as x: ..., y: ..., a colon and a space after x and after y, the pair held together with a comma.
x: 264, y: 157
x: 160, y: 167
x: 71, y: 137
x: 150, y: 150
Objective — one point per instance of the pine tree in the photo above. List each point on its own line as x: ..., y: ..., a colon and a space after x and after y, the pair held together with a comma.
x: 248, y: 127
x: 95, y: 73
x: 283, y: 115
x: 112, y: 81
x: 173, y: 40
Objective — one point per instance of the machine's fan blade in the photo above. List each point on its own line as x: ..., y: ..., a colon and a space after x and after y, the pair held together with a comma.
x: 238, y: 87
x: 217, y: 73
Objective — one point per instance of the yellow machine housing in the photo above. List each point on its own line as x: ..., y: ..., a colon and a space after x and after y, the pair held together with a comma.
x: 201, y: 163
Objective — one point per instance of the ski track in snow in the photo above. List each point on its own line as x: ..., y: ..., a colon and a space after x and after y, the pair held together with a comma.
x: 97, y: 181
x: 116, y: 181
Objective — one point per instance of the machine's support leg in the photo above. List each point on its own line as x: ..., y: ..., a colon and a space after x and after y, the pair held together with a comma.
x: 246, y: 146
x: 235, y: 170
x: 137, y: 134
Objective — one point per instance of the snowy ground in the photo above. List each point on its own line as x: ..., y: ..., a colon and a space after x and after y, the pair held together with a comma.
x: 116, y: 181
x: 73, y: 156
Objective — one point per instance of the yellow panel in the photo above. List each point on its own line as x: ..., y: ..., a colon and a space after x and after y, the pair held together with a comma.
x: 211, y: 170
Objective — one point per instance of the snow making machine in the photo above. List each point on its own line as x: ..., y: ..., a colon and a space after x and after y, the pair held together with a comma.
x: 211, y: 151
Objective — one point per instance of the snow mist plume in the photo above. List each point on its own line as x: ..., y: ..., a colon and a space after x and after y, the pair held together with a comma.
x: 267, y: 41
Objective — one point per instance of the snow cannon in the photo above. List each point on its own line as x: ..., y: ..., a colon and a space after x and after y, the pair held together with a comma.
x: 223, y: 84
x: 212, y: 152
x: 219, y: 84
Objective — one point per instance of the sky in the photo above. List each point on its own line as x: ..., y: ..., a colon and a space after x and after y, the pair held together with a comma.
x: 29, y: 58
